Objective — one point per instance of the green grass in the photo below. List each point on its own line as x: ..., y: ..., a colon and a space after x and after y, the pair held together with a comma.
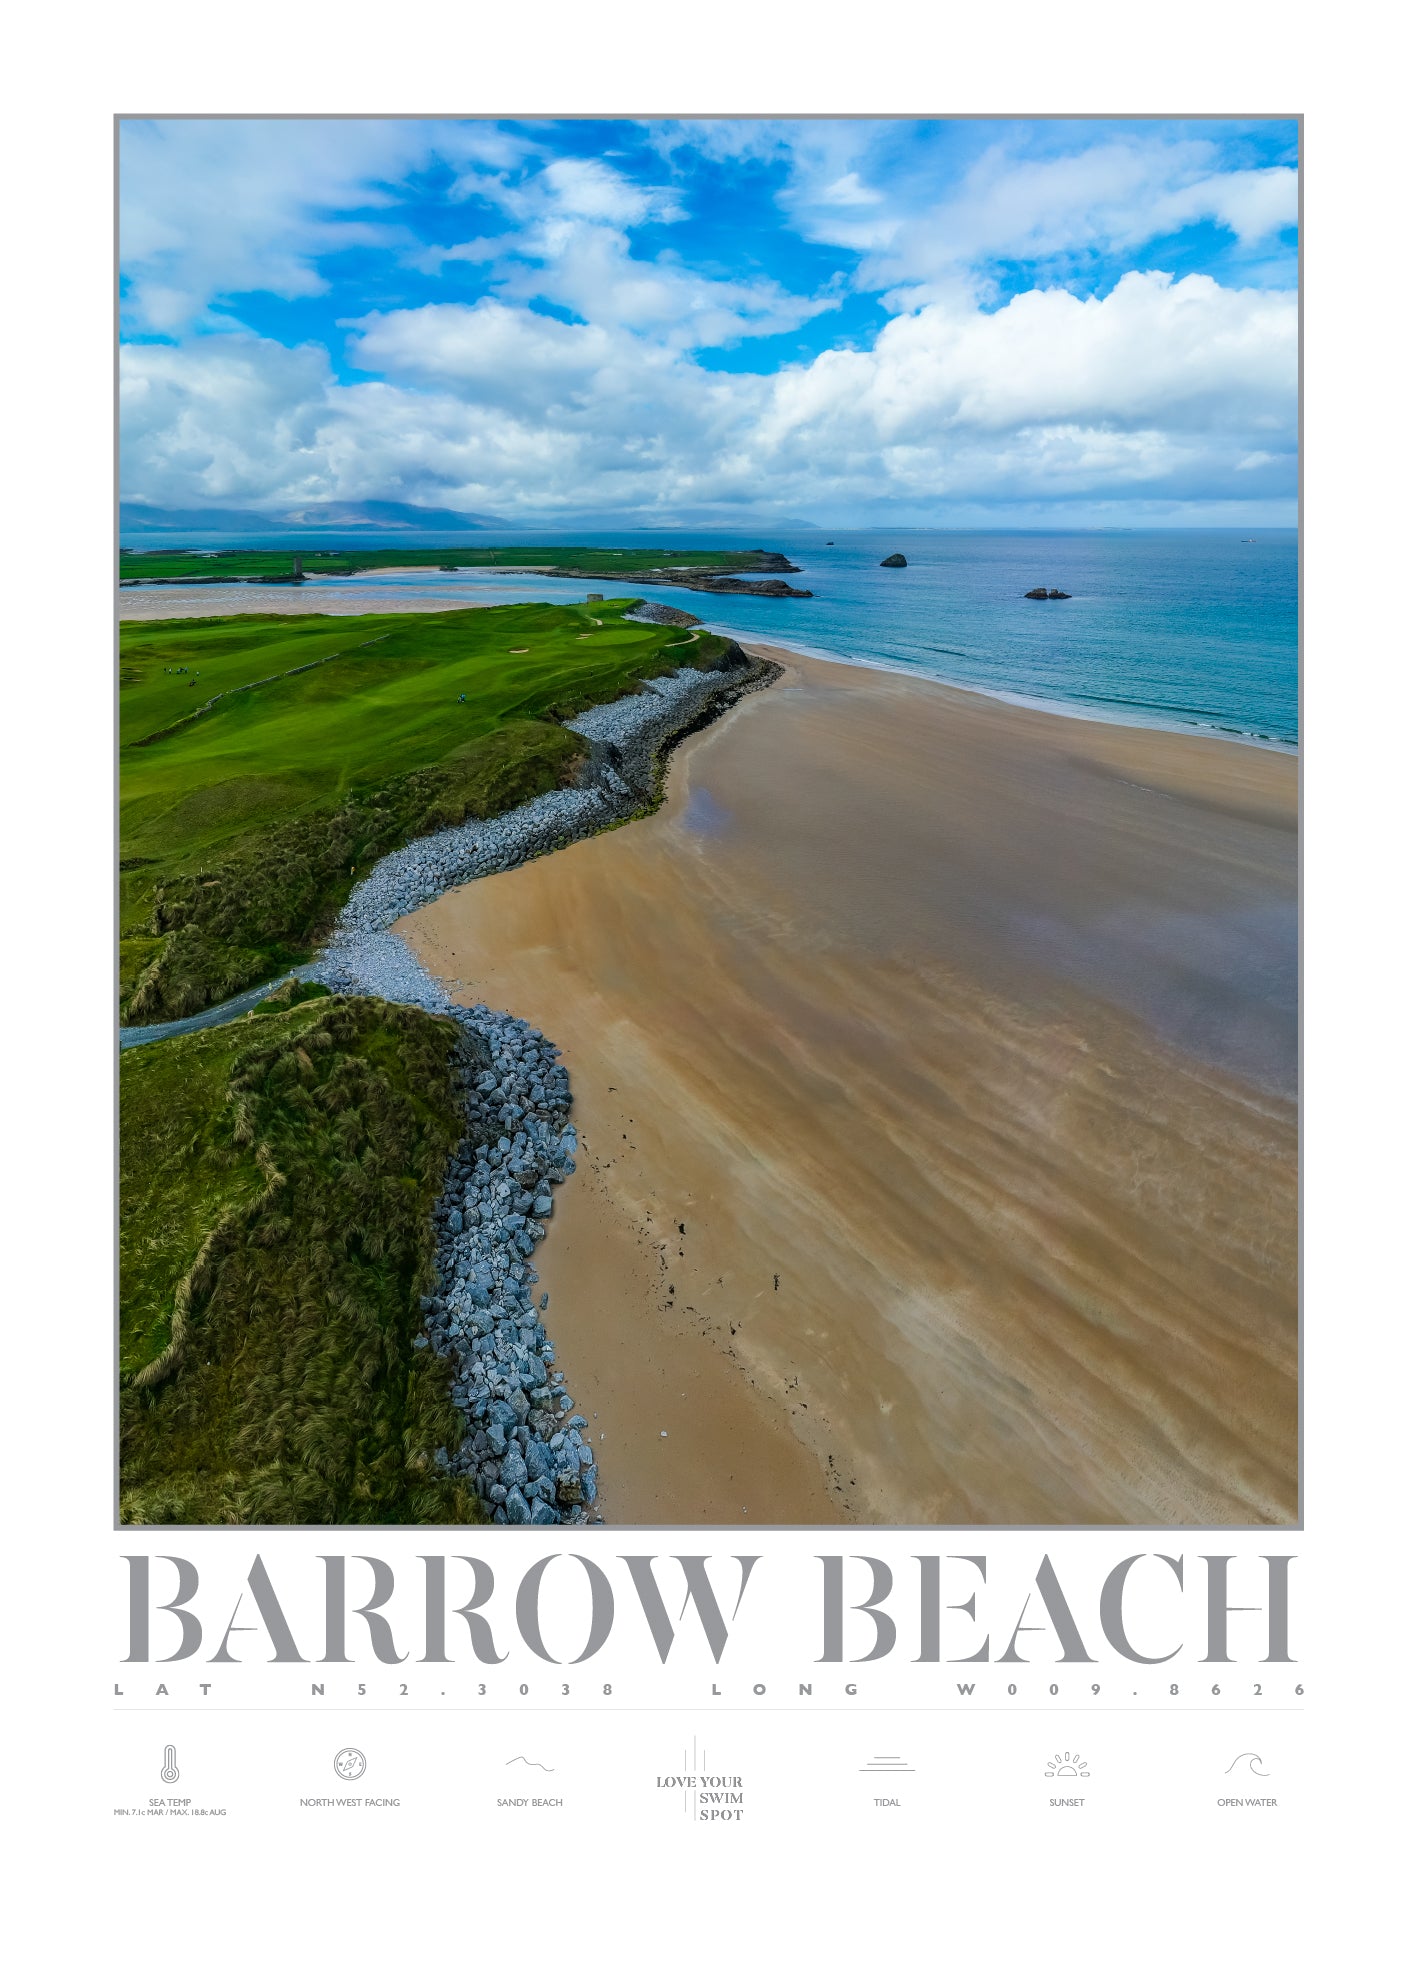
x: 278, y: 1173
x: 575, y: 561
x: 328, y: 742
x: 277, y: 1178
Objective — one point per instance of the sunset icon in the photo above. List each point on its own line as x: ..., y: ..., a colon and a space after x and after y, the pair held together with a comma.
x: 1067, y: 1763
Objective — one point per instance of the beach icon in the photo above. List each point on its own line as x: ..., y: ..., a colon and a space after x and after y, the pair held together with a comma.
x: 1067, y: 1763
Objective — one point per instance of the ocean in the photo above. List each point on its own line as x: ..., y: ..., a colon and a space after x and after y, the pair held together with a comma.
x: 1177, y: 629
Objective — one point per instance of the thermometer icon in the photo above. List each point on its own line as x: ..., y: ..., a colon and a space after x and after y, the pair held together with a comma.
x: 170, y: 1771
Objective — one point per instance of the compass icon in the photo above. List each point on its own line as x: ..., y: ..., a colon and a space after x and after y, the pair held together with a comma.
x: 349, y: 1764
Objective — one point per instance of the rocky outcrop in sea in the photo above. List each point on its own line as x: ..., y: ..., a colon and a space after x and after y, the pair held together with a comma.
x: 526, y: 1451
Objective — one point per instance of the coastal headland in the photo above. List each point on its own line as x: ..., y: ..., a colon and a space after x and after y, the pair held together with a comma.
x: 934, y: 1074
x: 754, y: 572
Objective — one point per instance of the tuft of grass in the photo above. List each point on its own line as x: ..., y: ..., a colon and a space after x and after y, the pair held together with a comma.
x: 277, y: 1181
x: 294, y: 992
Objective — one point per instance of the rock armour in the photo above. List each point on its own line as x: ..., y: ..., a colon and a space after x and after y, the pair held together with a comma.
x: 526, y: 1451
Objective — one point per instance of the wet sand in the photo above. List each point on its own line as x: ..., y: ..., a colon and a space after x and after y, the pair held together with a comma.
x: 959, y: 1040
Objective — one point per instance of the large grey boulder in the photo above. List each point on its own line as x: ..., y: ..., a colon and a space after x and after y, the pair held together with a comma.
x: 539, y: 1458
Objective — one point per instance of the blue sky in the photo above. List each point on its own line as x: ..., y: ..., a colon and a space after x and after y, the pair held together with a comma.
x: 1078, y: 321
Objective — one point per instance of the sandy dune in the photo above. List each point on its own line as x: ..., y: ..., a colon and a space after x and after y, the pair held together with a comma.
x: 959, y: 1040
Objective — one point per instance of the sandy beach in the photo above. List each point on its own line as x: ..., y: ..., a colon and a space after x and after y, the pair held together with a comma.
x: 934, y: 1065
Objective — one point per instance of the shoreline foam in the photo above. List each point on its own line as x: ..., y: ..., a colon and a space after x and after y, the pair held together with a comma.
x: 1078, y: 712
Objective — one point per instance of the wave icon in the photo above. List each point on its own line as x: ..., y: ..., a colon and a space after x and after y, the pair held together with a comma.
x: 1253, y: 1759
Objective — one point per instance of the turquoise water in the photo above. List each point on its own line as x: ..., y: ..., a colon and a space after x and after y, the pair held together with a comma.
x: 1194, y: 629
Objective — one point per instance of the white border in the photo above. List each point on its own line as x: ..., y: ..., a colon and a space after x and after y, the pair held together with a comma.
x: 1160, y: 1899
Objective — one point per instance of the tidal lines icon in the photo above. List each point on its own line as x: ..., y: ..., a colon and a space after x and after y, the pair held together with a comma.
x: 888, y: 1764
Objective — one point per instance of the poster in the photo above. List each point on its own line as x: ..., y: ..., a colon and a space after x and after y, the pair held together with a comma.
x: 706, y: 920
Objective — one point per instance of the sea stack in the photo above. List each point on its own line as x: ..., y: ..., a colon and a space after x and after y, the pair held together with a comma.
x: 1047, y: 592
x: 895, y: 559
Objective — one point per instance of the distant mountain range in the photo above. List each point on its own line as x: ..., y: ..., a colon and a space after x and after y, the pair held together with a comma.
x: 307, y: 516
x: 137, y: 517
x: 739, y: 521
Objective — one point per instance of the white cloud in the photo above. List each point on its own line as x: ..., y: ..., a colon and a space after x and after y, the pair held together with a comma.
x: 1108, y: 196
x: 1252, y: 205
x: 724, y: 138
x: 587, y: 267
x: 490, y: 152
x: 592, y: 190
x: 1162, y: 389
x: 215, y: 206
x: 1158, y: 389
x: 1154, y: 353
x: 849, y: 192
x: 491, y: 350
x: 570, y: 247
x: 214, y: 418
x: 1159, y: 385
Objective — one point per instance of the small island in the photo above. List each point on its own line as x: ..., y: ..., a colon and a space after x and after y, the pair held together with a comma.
x: 1047, y: 592
x: 896, y: 560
